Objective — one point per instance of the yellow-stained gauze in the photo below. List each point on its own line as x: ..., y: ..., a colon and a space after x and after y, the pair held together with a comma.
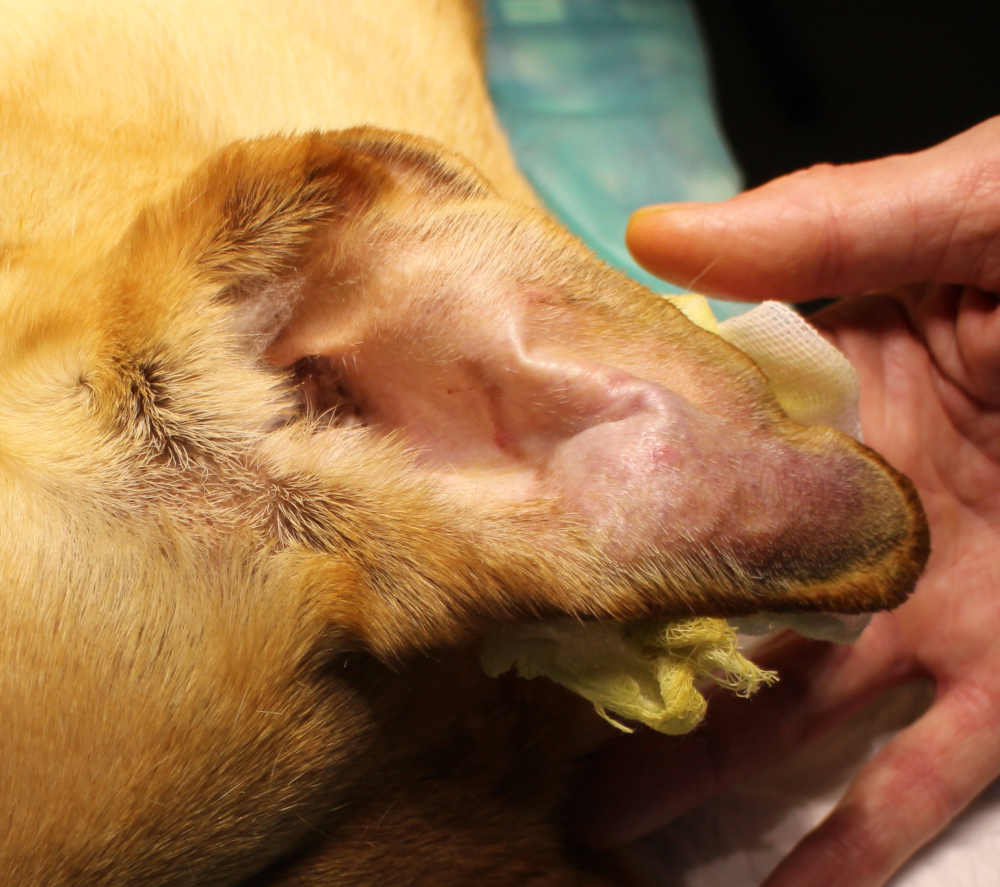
x: 645, y: 673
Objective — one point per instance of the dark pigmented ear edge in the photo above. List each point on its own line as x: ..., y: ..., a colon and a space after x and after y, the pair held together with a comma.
x: 886, y: 582
x: 877, y: 569
x: 875, y: 566
x: 418, y: 164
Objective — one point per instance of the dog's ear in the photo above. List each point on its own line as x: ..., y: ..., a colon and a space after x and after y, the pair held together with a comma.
x: 263, y: 203
x: 367, y: 279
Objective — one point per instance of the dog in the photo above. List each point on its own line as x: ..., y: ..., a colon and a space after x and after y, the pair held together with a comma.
x: 302, y: 392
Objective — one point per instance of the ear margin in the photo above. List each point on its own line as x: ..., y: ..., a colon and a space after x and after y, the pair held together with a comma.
x: 249, y: 214
x: 203, y: 279
x: 236, y: 233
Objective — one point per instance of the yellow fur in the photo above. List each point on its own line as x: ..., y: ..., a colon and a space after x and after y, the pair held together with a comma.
x: 213, y: 608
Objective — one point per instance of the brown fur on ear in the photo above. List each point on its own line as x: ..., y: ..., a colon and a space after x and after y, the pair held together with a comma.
x: 419, y: 164
x: 250, y: 213
x: 203, y: 280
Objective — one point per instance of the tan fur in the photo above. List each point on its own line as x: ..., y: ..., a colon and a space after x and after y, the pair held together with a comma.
x: 213, y: 606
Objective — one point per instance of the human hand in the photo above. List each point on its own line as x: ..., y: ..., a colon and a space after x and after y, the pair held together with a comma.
x: 924, y: 228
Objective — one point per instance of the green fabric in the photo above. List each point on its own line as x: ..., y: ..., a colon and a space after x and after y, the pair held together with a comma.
x: 608, y: 107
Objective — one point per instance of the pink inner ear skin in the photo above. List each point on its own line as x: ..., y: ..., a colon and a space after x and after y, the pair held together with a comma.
x: 645, y: 469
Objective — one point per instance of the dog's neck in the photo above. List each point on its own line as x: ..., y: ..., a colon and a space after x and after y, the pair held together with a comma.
x: 233, y: 71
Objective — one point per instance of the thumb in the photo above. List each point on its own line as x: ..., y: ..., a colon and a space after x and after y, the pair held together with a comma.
x: 830, y: 231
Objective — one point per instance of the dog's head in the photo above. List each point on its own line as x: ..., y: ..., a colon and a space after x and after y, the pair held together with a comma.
x: 333, y: 393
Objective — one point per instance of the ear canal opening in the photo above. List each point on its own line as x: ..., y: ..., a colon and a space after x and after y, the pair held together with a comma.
x: 324, y: 393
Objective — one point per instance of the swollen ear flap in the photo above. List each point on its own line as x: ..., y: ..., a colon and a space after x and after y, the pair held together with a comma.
x: 527, y: 383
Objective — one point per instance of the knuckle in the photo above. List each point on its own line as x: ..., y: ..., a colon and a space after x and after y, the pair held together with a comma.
x: 854, y: 843
x: 822, y: 196
x: 977, y: 706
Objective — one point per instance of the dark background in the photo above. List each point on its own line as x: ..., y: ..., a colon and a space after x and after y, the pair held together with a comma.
x: 806, y: 81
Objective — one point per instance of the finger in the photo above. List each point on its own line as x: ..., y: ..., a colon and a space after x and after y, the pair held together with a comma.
x: 906, y: 795
x: 644, y: 781
x: 895, y: 373
x: 962, y: 328
x: 928, y: 362
x: 830, y: 231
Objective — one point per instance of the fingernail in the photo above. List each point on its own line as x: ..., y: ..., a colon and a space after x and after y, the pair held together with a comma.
x: 656, y: 210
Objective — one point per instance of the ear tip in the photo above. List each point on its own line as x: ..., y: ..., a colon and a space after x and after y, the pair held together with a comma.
x: 916, y: 550
x: 884, y: 576
x: 881, y: 545
x: 909, y: 546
